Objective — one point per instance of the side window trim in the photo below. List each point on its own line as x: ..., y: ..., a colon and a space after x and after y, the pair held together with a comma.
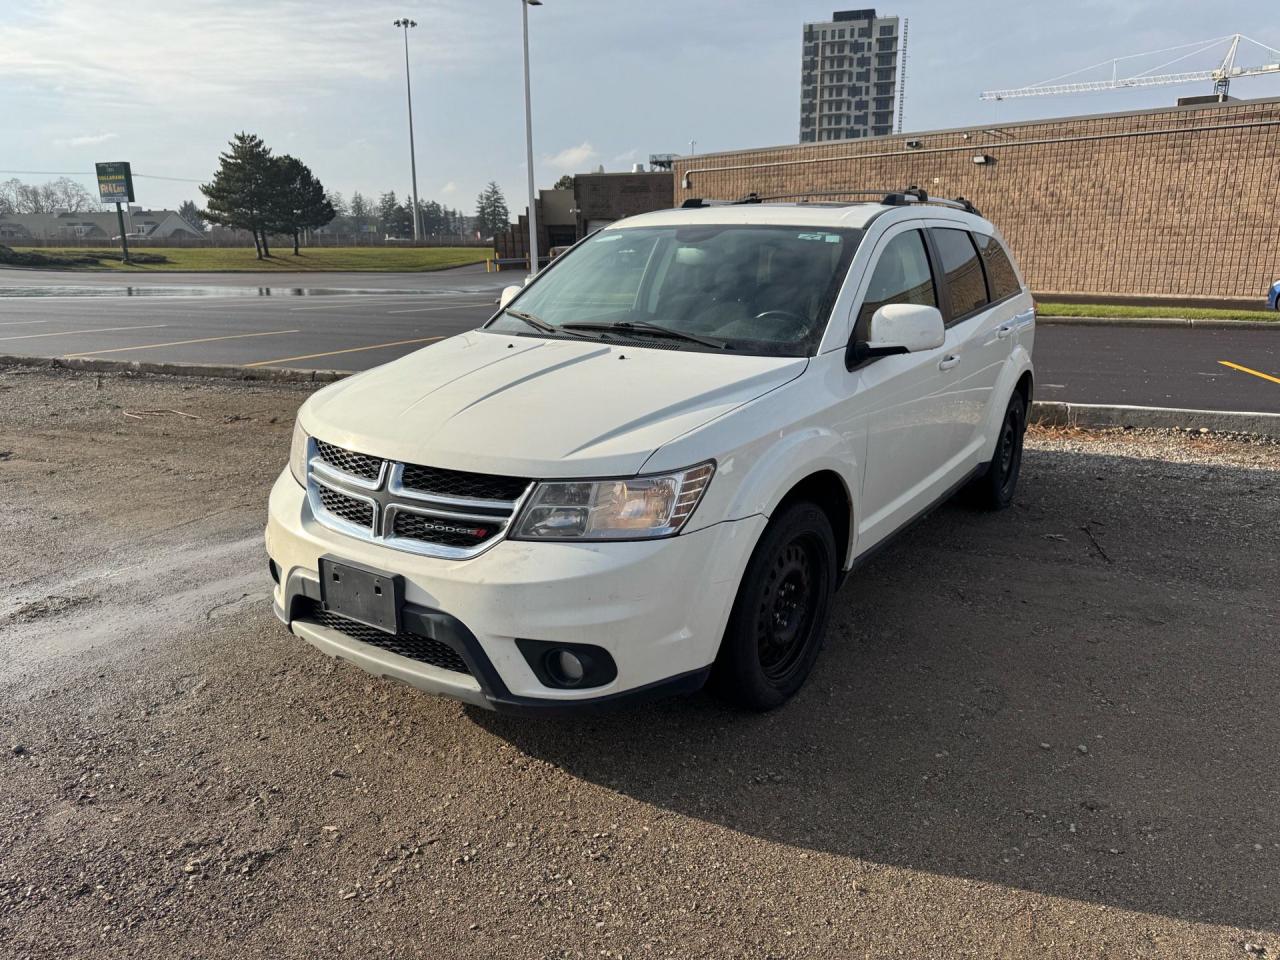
x: 941, y: 286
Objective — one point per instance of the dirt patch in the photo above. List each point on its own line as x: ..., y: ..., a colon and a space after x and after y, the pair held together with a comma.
x: 1049, y: 732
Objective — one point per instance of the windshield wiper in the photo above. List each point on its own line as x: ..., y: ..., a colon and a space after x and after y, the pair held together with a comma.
x: 538, y: 324
x: 542, y: 326
x: 644, y: 327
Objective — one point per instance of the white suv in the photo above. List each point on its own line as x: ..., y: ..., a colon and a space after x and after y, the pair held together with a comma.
x: 654, y: 464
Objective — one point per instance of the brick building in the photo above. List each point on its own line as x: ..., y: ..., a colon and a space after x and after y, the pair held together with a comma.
x: 597, y: 199
x: 1176, y: 202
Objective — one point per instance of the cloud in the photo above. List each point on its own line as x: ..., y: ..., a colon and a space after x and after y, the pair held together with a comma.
x: 449, y: 189
x: 572, y: 159
x: 235, y: 54
x: 85, y: 140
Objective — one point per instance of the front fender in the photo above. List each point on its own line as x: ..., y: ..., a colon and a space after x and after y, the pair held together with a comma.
x: 754, y: 479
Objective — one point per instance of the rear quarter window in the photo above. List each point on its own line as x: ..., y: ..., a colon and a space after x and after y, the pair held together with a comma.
x: 964, y: 273
x: 1002, y: 281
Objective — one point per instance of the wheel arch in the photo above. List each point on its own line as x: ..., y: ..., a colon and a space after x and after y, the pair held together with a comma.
x: 828, y: 490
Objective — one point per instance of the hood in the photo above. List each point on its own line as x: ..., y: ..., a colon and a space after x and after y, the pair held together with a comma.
x: 524, y: 406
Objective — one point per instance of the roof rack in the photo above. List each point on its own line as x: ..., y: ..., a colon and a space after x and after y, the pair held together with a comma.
x: 892, y: 198
x: 914, y: 194
x: 694, y: 202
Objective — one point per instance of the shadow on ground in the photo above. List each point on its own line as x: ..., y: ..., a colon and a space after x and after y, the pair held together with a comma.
x: 1075, y: 697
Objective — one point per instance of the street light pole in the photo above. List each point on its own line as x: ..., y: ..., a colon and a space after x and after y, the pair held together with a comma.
x: 528, y: 139
x: 405, y: 23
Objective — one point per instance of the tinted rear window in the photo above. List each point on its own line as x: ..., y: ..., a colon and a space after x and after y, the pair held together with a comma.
x: 964, y: 273
x: 1001, y: 279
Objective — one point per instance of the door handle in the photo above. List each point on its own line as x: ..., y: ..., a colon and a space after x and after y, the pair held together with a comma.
x: 1005, y: 332
x: 946, y: 363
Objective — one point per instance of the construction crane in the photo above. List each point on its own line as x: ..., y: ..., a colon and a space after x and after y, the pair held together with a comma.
x: 1221, y: 75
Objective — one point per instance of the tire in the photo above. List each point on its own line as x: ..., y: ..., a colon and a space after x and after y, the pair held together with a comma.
x: 994, y: 489
x: 780, y: 614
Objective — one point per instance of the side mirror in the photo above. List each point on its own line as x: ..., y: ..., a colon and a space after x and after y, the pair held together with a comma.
x: 508, y: 294
x: 899, y: 328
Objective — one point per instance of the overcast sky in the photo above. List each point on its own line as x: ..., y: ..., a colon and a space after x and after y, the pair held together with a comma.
x: 164, y: 85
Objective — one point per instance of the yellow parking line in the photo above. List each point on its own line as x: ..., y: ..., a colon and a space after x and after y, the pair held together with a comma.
x: 71, y: 333
x: 334, y: 353
x: 178, y: 343
x: 1256, y: 373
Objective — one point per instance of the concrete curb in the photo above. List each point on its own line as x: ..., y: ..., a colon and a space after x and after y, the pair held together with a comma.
x: 227, y: 372
x: 1052, y: 413
x: 1158, y: 322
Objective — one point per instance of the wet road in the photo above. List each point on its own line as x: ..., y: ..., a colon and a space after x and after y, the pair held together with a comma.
x: 359, y: 320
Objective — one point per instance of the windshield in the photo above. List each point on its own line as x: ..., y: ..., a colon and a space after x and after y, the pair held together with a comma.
x: 765, y: 290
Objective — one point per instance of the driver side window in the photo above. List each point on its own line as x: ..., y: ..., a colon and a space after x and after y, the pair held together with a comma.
x: 901, y: 275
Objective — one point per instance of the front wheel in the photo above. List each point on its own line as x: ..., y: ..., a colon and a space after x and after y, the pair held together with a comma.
x: 994, y: 489
x: 780, y: 614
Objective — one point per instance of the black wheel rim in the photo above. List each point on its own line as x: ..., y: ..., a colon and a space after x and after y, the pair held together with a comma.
x: 789, y: 607
x: 1010, y: 450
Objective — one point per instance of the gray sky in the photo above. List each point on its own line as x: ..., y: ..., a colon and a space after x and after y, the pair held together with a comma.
x: 164, y: 85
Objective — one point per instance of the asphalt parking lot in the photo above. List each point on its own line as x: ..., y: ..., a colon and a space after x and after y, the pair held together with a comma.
x: 1049, y: 732
x: 356, y: 321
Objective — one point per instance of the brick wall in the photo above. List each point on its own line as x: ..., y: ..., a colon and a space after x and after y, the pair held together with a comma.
x: 1180, y: 202
x: 612, y: 196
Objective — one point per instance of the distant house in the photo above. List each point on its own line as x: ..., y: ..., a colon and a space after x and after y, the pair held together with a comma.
x: 70, y: 227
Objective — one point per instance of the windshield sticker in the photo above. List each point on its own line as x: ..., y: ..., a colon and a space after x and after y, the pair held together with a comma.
x: 609, y: 238
x: 821, y: 237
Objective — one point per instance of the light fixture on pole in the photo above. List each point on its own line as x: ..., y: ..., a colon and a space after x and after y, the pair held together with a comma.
x: 405, y: 23
x: 528, y: 139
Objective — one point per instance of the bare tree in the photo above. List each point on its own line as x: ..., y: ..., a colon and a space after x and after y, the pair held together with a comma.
x: 63, y: 195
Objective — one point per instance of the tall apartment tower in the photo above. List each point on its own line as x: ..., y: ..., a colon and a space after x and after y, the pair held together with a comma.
x: 849, y: 77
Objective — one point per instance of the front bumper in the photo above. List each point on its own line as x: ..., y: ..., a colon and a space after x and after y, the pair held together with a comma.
x: 658, y: 607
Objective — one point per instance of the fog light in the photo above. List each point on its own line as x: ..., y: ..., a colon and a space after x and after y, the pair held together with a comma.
x: 563, y: 666
x: 567, y: 667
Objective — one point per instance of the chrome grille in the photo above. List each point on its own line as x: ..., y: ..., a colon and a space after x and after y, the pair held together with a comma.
x: 350, y: 509
x: 452, y: 514
x: 357, y: 464
x: 415, y: 646
x: 457, y: 483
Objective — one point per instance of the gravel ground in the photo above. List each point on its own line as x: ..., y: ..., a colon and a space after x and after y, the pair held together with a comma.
x: 1050, y: 732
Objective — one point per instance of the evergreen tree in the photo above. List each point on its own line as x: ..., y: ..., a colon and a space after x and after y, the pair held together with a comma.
x: 492, y: 216
x: 241, y: 193
x: 387, y: 218
x: 298, y: 201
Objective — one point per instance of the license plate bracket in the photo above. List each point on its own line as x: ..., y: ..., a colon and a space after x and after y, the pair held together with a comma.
x: 368, y: 596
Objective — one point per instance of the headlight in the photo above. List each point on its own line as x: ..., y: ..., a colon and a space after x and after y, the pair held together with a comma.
x: 628, y: 509
x: 298, y: 453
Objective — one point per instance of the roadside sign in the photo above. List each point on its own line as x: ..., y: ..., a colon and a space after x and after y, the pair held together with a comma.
x: 115, y: 182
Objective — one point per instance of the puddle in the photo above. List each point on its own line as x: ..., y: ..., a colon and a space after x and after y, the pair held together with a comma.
x: 167, y: 290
